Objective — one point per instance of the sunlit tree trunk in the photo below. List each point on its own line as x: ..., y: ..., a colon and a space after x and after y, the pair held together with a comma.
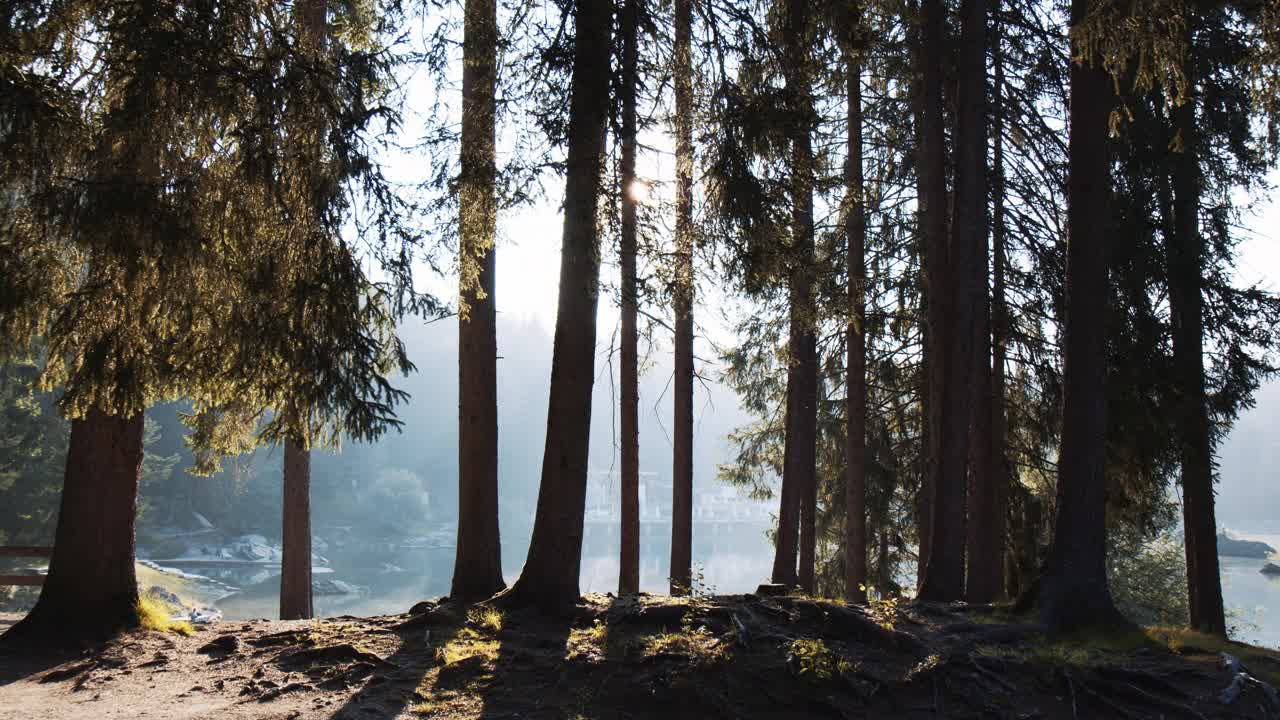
x: 477, y: 568
x: 1073, y: 589
x: 629, y: 562
x: 1186, y: 300
x: 682, y: 442
x: 550, y: 577
x: 855, y: 574
x: 91, y: 590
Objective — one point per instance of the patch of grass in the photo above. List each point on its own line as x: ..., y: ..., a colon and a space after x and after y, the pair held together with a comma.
x: 487, y: 619
x: 466, y: 644
x: 1069, y: 653
x: 1111, y: 640
x: 156, y: 615
x: 697, y: 643
x: 1262, y: 662
x: 998, y: 652
x: 812, y: 660
x: 189, y: 590
x: 446, y: 703
x: 588, y: 640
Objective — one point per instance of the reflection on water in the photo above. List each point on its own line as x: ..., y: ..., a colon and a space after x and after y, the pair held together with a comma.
x: 731, y: 559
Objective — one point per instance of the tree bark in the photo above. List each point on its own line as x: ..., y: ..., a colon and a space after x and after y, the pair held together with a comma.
x: 855, y: 574
x: 787, y: 540
x: 1002, y: 477
x: 1073, y: 588
x: 982, y: 571
x: 549, y: 580
x: 1186, y: 301
x: 953, y: 336
x: 477, y: 567
x: 295, y: 561
x: 802, y: 438
x: 91, y: 590
x: 682, y: 450
x: 629, y: 561
x: 932, y: 219
x: 796, y: 514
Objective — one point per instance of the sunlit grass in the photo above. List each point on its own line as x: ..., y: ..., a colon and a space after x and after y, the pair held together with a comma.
x: 156, y: 615
x: 189, y: 590
x: 487, y: 619
x: 448, y: 703
x: 696, y: 643
x: 596, y: 634
x: 1040, y: 652
x: 468, y: 643
x: 592, y: 641
x: 1262, y: 662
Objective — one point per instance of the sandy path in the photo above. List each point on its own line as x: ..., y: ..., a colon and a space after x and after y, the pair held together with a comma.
x: 149, y: 675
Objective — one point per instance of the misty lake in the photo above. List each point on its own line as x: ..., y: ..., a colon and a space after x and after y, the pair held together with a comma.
x: 731, y: 558
x: 738, y: 559
x: 1252, y: 599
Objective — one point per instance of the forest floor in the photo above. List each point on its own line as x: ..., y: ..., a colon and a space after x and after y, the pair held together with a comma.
x: 648, y: 657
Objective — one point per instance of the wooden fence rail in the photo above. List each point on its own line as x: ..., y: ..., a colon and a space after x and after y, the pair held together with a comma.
x: 24, y: 551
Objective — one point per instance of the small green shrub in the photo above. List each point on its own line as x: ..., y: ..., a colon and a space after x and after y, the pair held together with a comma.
x: 812, y: 660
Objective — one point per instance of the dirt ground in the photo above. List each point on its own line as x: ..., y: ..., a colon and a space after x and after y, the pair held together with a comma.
x: 718, y: 657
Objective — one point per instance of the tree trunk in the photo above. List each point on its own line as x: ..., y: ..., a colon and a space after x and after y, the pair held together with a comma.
x: 1073, y: 589
x: 796, y: 514
x: 549, y: 580
x: 1001, y: 477
x: 295, y: 562
x: 953, y: 336
x: 802, y: 441
x: 629, y: 561
x: 91, y: 590
x: 932, y: 219
x: 1186, y: 266
x: 786, y: 542
x: 855, y: 573
x: 477, y: 567
x: 982, y: 571
x: 682, y: 450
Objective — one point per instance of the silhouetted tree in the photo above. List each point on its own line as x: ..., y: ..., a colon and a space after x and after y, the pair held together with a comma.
x: 549, y: 579
x: 629, y: 562
x: 856, y: 342
x: 477, y: 568
x: 1073, y: 590
x: 682, y: 385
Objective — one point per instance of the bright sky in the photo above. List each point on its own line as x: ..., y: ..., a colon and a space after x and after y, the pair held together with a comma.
x: 529, y: 260
x: 1260, y: 253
